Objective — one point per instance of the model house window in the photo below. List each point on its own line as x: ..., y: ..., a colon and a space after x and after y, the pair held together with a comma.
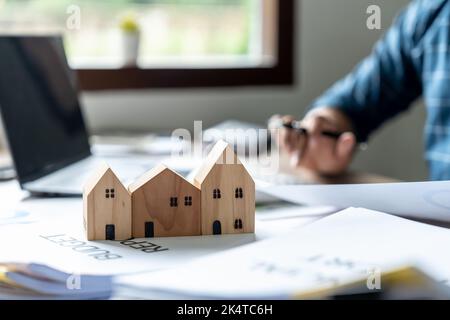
x: 110, y: 193
x: 217, y: 194
x: 238, y: 225
x: 183, y: 43
x: 174, y: 202
x: 239, y: 193
x: 188, y: 201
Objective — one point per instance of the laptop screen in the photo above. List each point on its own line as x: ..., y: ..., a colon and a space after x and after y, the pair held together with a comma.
x: 39, y: 106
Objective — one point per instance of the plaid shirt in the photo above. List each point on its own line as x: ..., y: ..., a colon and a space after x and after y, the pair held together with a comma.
x: 412, y: 60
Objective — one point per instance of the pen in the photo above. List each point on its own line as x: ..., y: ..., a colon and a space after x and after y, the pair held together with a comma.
x: 296, y: 125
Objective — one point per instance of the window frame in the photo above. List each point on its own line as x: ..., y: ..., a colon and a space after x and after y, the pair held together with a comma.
x: 281, y: 73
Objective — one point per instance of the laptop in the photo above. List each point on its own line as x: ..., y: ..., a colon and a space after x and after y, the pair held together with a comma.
x: 43, y: 120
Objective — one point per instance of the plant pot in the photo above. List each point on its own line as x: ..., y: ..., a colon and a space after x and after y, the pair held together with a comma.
x: 130, y: 48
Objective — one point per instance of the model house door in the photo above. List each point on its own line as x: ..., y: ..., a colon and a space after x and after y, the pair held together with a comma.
x: 217, y: 227
x: 110, y: 232
x: 149, y: 230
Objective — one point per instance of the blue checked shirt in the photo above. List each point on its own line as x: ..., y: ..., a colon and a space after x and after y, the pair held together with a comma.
x: 412, y: 60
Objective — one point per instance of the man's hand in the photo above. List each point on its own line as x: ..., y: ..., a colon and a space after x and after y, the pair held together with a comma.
x: 310, y: 148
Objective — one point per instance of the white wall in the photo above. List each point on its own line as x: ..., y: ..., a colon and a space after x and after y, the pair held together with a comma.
x: 332, y: 37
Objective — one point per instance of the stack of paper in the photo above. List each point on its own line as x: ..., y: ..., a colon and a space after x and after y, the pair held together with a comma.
x: 35, y: 281
x: 351, y: 246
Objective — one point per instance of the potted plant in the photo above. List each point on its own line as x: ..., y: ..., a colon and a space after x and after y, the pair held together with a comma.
x: 130, y: 40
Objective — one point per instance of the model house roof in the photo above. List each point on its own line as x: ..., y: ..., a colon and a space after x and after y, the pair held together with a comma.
x: 222, y: 153
x: 149, y: 175
x: 97, y: 176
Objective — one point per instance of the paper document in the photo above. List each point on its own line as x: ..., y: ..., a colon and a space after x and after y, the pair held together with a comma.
x: 352, y: 244
x: 281, y: 211
x: 33, y: 281
x: 50, y: 232
x: 64, y: 247
x: 425, y: 200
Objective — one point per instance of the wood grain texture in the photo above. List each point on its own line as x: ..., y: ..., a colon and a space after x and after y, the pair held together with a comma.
x: 221, y: 153
x: 151, y: 202
x: 223, y: 171
x: 100, y: 211
x: 228, y: 209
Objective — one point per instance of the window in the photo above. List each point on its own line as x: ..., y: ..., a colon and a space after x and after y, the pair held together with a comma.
x: 239, y: 193
x: 238, y: 225
x: 174, y: 202
x: 183, y: 43
x: 188, y: 201
x: 217, y: 194
x: 110, y: 193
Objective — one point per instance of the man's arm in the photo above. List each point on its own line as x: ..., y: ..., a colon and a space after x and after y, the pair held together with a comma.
x: 383, y: 85
x: 386, y: 82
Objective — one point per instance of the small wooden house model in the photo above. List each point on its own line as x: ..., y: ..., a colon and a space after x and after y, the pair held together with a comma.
x: 164, y: 204
x: 227, y: 193
x: 107, y: 207
x: 161, y: 203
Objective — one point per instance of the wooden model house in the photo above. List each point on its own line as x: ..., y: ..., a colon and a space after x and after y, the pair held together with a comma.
x: 107, y: 207
x: 164, y: 204
x: 227, y: 193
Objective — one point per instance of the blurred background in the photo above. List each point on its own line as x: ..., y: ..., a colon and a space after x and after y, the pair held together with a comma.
x: 116, y: 42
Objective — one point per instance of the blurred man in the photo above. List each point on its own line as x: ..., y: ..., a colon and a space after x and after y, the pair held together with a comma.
x: 412, y: 60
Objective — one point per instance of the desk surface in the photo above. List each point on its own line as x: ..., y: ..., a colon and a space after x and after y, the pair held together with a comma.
x: 11, y: 195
